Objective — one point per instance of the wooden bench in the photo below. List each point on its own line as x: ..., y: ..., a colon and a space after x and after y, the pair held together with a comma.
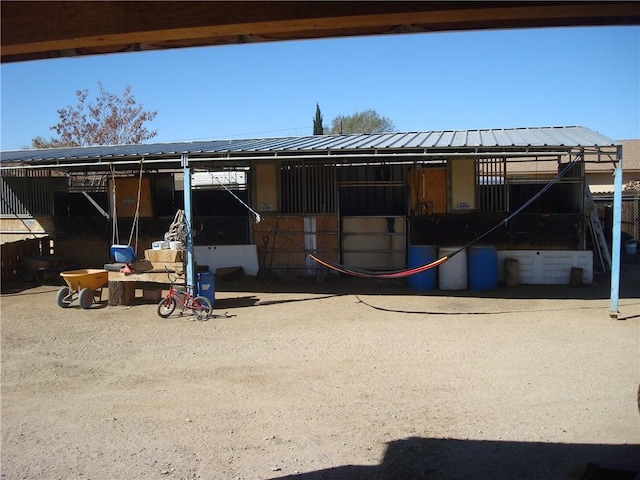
x: 122, y: 286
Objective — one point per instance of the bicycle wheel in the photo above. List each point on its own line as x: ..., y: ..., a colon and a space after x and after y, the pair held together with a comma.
x: 85, y: 298
x: 202, y: 307
x: 62, y: 294
x: 166, y: 306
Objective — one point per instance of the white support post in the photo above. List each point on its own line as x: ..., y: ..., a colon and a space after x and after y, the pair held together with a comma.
x: 190, y: 283
x: 615, y: 237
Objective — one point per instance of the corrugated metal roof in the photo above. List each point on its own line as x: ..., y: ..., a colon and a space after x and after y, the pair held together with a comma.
x: 630, y: 163
x: 563, y: 138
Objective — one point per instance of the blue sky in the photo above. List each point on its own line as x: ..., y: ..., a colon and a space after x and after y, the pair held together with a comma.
x: 438, y: 81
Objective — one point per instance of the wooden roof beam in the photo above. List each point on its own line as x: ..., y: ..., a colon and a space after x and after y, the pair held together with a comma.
x: 52, y: 29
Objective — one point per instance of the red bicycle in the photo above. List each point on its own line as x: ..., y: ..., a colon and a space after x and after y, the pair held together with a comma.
x: 201, y: 306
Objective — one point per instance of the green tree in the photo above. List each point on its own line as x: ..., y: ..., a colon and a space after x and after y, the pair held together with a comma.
x: 111, y: 120
x: 368, y: 121
x: 318, y: 129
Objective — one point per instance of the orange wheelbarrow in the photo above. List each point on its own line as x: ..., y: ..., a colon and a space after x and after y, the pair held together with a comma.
x: 83, y: 285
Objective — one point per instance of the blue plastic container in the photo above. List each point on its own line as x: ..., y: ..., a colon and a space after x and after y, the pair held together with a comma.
x: 207, y: 286
x: 483, y: 268
x: 422, y: 255
x: 123, y: 253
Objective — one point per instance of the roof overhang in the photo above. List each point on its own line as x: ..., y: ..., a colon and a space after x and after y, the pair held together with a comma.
x: 32, y: 30
x: 525, y: 144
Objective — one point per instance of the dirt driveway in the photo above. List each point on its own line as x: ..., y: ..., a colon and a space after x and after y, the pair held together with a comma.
x: 353, y: 380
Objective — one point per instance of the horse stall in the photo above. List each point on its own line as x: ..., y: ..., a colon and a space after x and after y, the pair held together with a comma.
x: 358, y: 202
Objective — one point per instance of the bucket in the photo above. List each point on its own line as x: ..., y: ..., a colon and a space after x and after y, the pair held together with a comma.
x: 123, y: 253
x: 420, y: 255
x: 483, y: 268
x: 452, y: 274
x: 207, y: 286
x: 175, y: 245
x: 630, y: 247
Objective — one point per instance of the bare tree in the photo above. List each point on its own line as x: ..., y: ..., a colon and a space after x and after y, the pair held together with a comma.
x: 110, y: 120
x: 41, y: 142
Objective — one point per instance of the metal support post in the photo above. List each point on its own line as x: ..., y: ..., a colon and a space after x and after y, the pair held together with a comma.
x: 615, y: 237
x: 190, y: 283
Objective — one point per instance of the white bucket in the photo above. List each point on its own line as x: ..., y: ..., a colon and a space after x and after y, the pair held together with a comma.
x: 175, y: 245
x: 631, y: 247
x: 452, y: 274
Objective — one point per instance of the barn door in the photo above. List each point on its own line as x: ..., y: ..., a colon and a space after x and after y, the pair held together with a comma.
x: 428, y: 190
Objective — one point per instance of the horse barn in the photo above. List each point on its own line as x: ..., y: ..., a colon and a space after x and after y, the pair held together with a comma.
x: 370, y: 202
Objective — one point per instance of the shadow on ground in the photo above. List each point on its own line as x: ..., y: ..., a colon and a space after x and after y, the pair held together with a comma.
x: 453, y: 459
x: 333, y: 285
x: 345, y: 285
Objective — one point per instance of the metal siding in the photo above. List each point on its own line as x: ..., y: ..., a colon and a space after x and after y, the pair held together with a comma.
x: 320, y: 144
x: 469, y: 138
x: 26, y: 196
x: 488, y: 138
x: 385, y: 141
x: 328, y: 143
x: 430, y: 139
x: 459, y: 138
x: 401, y: 140
x: 529, y: 138
x: 508, y: 138
x: 565, y: 137
x: 446, y: 139
x: 414, y: 140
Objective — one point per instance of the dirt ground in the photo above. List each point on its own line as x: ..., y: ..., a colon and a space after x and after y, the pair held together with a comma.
x: 342, y: 379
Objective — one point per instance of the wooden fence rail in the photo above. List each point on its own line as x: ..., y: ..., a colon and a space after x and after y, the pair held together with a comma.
x: 13, y: 252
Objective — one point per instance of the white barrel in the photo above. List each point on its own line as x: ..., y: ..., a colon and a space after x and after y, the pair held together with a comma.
x: 511, y: 272
x: 452, y: 274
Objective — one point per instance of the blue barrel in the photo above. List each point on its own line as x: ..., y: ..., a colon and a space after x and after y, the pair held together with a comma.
x: 422, y: 255
x: 483, y: 268
x: 207, y: 286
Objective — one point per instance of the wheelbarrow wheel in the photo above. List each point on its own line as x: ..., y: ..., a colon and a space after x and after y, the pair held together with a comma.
x: 166, y: 306
x: 85, y: 298
x: 61, y: 297
x: 205, y: 309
